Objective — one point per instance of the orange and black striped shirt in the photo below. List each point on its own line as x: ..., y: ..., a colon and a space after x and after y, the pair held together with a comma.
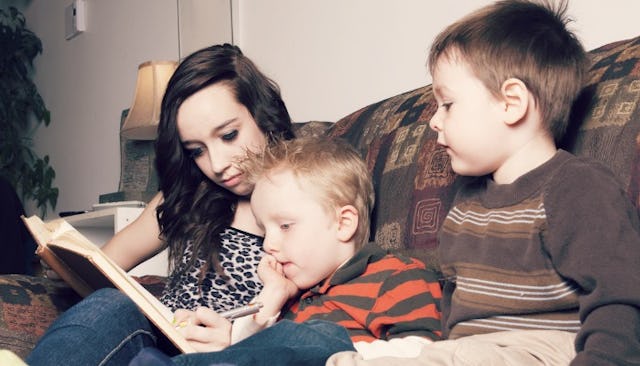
x: 375, y: 295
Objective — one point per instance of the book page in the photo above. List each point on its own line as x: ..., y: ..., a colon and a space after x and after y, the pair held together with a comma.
x: 86, y: 268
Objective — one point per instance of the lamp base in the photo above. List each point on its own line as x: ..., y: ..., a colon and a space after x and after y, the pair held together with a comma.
x: 144, y: 196
x: 138, y: 178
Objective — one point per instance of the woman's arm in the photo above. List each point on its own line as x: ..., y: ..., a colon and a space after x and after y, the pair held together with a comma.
x: 138, y: 241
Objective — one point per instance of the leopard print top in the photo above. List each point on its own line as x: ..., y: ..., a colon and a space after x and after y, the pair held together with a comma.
x: 239, y: 257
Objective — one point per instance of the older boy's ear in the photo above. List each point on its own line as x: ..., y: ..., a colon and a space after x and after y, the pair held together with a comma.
x: 347, y: 222
x: 515, y: 97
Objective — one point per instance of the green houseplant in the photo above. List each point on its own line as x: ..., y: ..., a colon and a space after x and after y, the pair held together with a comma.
x: 22, y: 110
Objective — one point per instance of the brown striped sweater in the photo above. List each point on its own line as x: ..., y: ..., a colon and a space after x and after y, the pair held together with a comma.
x: 557, y: 249
x: 375, y: 295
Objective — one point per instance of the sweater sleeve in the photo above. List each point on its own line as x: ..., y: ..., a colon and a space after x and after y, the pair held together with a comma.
x: 593, y: 239
x: 407, y: 305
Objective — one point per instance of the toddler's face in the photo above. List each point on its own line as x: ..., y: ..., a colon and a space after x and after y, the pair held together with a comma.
x: 299, y: 232
x: 467, y: 120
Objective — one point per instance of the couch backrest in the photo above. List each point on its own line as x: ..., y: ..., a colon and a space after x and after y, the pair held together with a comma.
x: 413, y: 179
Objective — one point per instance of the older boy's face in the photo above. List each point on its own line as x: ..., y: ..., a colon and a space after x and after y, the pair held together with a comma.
x: 298, y: 231
x: 468, y: 122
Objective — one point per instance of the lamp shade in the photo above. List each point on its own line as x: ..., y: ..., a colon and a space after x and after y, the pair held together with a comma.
x: 144, y: 114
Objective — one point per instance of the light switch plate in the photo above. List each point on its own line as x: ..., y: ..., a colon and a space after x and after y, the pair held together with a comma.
x: 75, y: 19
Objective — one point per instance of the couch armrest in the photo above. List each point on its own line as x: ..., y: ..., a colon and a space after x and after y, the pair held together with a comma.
x: 28, y: 305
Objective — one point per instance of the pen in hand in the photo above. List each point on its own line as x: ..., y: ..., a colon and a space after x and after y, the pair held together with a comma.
x: 241, y: 311
x: 230, y: 314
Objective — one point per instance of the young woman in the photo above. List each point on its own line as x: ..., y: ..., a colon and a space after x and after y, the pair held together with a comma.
x: 216, y: 106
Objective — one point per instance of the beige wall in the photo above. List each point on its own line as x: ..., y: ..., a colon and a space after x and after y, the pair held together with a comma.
x: 330, y: 57
x: 88, y: 80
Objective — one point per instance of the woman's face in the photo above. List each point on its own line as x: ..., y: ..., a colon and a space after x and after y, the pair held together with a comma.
x: 216, y: 130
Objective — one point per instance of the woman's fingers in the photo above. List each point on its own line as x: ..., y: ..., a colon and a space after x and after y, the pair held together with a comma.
x: 182, y: 318
x: 204, y: 329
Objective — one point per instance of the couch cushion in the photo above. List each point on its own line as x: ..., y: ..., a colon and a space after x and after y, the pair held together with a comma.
x: 27, y: 306
x: 412, y: 175
x: 605, y: 123
x: 311, y: 128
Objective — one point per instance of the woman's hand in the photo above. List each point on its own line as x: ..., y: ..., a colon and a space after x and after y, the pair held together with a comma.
x: 204, y: 329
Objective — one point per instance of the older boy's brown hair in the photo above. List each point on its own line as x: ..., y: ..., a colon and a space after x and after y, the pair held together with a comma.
x: 521, y: 39
x: 330, y: 169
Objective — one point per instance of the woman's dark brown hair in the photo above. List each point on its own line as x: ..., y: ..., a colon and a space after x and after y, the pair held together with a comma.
x: 194, y: 208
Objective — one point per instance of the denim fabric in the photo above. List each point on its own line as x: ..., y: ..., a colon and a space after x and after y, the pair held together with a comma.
x: 151, y: 356
x: 106, y: 328
x: 285, y: 343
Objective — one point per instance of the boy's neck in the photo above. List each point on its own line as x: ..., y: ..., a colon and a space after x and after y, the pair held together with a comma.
x: 348, y: 252
x: 326, y: 281
x: 533, y: 153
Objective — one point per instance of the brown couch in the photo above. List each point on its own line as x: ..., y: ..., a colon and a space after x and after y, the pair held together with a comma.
x: 413, y: 180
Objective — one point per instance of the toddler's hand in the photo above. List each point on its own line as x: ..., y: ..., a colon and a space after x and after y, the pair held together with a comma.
x: 272, y: 276
x: 204, y: 329
x: 270, y: 270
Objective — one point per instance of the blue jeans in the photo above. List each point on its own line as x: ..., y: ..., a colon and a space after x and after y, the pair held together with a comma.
x: 106, y: 328
x: 285, y: 343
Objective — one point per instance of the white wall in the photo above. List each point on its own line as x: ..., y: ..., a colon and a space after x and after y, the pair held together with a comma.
x: 203, y: 23
x: 330, y: 58
x: 88, y: 80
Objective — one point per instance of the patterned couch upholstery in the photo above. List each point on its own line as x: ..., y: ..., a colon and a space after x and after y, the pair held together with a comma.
x: 413, y: 180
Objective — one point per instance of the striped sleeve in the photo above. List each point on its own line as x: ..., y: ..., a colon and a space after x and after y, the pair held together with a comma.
x: 408, y: 301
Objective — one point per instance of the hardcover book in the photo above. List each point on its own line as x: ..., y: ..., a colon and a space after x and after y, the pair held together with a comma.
x: 86, y: 268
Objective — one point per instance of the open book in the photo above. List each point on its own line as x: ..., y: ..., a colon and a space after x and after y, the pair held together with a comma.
x: 86, y: 268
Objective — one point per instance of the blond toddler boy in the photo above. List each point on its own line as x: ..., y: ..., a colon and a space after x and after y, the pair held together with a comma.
x: 313, y: 198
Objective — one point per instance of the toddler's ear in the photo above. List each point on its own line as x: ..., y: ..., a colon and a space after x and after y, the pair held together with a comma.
x: 515, y: 96
x: 347, y: 222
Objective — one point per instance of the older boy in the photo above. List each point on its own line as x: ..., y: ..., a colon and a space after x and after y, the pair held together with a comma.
x: 541, y: 250
x: 313, y: 198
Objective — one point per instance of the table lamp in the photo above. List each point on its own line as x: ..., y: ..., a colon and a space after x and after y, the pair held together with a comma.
x: 138, y: 130
x: 142, y: 121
